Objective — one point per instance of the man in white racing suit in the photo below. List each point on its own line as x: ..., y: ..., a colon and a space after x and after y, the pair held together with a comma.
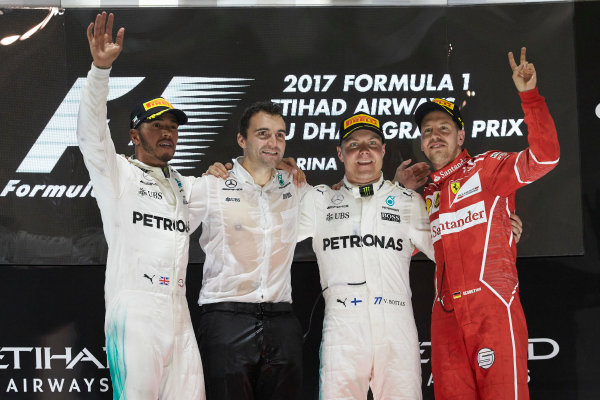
x: 150, y: 343
x: 364, y: 235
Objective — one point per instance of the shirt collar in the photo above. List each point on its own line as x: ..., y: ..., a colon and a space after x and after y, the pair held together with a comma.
x: 441, y: 174
x: 242, y: 173
x: 364, y: 190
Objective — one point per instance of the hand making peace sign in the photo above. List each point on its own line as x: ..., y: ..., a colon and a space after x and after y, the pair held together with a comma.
x: 523, y: 75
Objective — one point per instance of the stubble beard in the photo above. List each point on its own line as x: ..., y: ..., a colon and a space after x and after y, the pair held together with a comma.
x: 165, y: 157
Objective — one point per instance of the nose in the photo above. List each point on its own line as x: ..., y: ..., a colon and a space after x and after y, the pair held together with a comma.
x: 272, y: 140
x: 435, y: 134
x: 363, y: 147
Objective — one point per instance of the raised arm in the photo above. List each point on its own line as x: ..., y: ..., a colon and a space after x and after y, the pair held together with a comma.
x: 93, y: 135
x: 511, y: 171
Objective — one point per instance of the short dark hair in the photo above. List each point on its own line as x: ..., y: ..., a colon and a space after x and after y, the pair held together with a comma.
x: 265, y: 106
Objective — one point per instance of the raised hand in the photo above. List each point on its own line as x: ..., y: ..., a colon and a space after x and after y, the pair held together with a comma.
x: 99, y: 33
x: 412, y: 177
x: 523, y: 75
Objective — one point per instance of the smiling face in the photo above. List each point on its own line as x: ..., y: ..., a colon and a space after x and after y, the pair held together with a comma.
x: 155, y: 140
x: 264, y: 143
x: 362, y: 154
x: 441, y: 140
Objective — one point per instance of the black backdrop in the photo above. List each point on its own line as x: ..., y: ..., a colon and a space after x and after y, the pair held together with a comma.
x: 52, y: 282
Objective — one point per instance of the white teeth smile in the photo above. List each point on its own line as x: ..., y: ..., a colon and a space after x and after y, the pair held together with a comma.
x: 365, y: 162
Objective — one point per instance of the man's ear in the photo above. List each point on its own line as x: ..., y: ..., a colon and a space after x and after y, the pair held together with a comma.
x: 133, y: 135
x: 340, y: 154
x: 461, y: 137
x: 241, y: 140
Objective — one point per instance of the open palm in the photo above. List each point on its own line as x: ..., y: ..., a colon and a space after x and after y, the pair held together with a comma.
x: 99, y: 33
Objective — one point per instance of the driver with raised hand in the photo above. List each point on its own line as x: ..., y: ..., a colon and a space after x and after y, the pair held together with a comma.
x: 150, y: 342
x: 478, y: 329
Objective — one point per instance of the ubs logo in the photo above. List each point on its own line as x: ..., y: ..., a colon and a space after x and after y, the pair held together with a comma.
x: 149, y: 193
x: 340, y: 215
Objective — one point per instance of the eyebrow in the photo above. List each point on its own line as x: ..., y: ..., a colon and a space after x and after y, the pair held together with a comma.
x: 267, y: 129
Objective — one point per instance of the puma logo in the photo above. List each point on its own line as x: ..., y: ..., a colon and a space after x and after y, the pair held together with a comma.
x: 343, y: 302
x: 150, y: 279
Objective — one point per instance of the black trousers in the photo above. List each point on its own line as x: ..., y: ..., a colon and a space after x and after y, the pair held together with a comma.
x: 250, y: 351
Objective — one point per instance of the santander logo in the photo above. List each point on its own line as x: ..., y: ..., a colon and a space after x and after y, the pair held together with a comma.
x: 457, y: 221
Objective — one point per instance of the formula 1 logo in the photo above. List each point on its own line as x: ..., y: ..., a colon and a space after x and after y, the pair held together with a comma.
x: 205, y: 100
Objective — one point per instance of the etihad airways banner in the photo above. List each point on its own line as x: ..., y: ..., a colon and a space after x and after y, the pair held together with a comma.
x: 319, y: 63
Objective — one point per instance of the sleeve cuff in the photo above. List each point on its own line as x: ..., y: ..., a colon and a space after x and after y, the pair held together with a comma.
x: 100, y: 72
x: 530, y: 96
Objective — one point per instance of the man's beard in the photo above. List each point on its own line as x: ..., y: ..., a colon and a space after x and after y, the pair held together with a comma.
x: 166, y: 157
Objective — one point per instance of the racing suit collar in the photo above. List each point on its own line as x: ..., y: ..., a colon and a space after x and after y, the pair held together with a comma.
x: 156, y: 172
x: 242, y: 173
x: 441, y: 174
x: 364, y: 190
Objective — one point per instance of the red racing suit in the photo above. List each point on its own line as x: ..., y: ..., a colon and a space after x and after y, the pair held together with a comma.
x: 478, y: 330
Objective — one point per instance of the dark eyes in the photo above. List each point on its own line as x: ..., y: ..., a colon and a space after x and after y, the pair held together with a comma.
x: 278, y: 135
x: 355, y: 144
x: 441, y: 127
x: 158, y: 125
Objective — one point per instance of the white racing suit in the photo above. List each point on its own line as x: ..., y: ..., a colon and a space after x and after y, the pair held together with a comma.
x: 150, y: 343
x: 364, y: 247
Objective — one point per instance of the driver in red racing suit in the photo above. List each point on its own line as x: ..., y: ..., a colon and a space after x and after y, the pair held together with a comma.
x: 478, y: 330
